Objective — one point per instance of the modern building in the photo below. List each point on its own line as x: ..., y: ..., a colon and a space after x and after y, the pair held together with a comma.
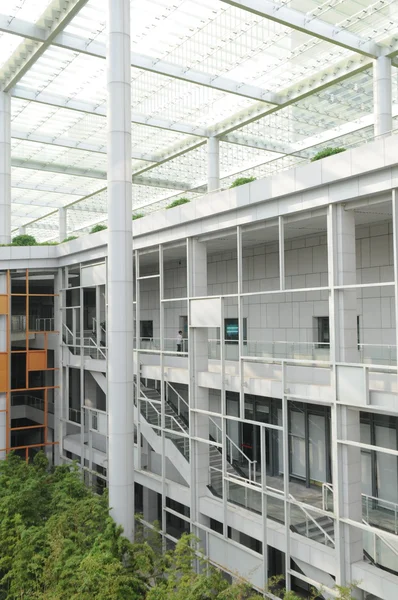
x: 230, y: 369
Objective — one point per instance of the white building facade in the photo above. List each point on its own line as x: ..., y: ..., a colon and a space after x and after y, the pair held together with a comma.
x: 270, y: 430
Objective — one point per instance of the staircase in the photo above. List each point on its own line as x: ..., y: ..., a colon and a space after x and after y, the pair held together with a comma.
x: 172, y: 419
x: 320, y: 530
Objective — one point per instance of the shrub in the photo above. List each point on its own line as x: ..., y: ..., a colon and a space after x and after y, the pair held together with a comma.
x: 49, y: 243
x: 98, y: 228
x: 178, y: 202
x: 69, y: 239
x: 138, y: 216
x: 326, y: 152
x: 24, y: 240
x: 241, y: 181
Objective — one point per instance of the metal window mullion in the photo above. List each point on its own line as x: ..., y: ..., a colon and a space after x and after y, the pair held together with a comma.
x: 395, y: 255
x: 331, y: 241
x: 81, y: 371
x: 137, y: 389
x: 281, y: 230
x: 223, y: 422
x: 240, y: 322
x: 191, y: 388
x: 285, y: 423
x: 264, y: 502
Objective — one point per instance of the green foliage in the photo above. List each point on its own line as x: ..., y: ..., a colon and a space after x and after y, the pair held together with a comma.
x: 49, y: 243
x: 58, y: 542
x: 326, y: 152
x: 98, y: 228
x: 178, y: 202
x: 69, y: 239
x: 24, y: 240
x: 241, y: 181
x: 137, y: 216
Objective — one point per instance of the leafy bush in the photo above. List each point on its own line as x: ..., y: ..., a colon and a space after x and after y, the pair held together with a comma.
x: 97, y: 228
x: 69, y: 239
x: 241, y: 181
x: 24, y: 240
x: 49, y: 243
x: 326, y: 152
x: 58, y: 541
x: 137, y: 216
x: 178, y: 202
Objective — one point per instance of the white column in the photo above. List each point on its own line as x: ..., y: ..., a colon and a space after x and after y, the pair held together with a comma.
x: 342, y: 255
x: 198, y: 362
x: 63, y: 229
x: 3, y: 348
x: 382, y: 95
x: 349, y: 460
x: 120, y: 269
x: 213, y: 164
x: 5, y: 168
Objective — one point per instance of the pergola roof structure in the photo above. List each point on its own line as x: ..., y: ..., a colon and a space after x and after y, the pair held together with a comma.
x: 274, y: 81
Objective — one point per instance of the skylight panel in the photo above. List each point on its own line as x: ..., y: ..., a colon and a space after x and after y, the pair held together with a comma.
x: 27, y: 10
x: 8, y: 43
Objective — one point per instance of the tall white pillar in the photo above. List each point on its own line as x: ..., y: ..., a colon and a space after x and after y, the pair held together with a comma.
x: 3, y: 348
x: 213, y: 164
x: 63, y: 229
x: 5, y: 168
x: 382, y: 95
x: 342, y: 271
x: 120, y: 270
x: 198, y: 362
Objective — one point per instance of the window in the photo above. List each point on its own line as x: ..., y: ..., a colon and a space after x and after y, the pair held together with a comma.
x: 323, y: 331
x: 146, y: 330
x: 231, y: 330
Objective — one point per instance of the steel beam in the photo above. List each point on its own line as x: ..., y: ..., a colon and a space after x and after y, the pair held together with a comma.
x: 27, y: 94
x: 64, y: 143
x: 91, y: 174
x: 59, y: 13
x: 310, y: 25
x: 138, y: 61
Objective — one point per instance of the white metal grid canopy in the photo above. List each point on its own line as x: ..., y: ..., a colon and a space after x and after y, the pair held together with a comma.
x: 274, y: 80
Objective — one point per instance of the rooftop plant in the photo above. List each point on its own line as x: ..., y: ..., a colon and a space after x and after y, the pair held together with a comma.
x: 178, y: 202
x: 24, y: 240
x: 137, y: 216
x: 97, y: 228
x: 326, y: 152
x: 69, y: 239
x: 241, y: 181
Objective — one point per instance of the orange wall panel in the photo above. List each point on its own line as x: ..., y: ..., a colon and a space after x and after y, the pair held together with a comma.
x: 37, y: 360
x: 3, y: 372
x: 3, y: 304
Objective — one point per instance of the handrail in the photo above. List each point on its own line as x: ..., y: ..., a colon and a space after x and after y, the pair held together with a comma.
x: 171, y: 417
x: 179, y: 399
x: 45, y: 320
x: 251, y: 463
x: 394, y: 505
x: 326, y: 486
x: 311, y: 518
x: 383, y: 540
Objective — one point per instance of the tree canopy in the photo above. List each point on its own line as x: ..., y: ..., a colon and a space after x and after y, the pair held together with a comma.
x: 58, y: 542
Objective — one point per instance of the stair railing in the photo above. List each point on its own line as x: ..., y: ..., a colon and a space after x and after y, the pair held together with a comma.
x: 180, y: 400
x: 376, y: 537
x: 308, y: 518
x: 174, y: 424
x: 326, y: 488
x: 217, y: 435
x: 367, y: 500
